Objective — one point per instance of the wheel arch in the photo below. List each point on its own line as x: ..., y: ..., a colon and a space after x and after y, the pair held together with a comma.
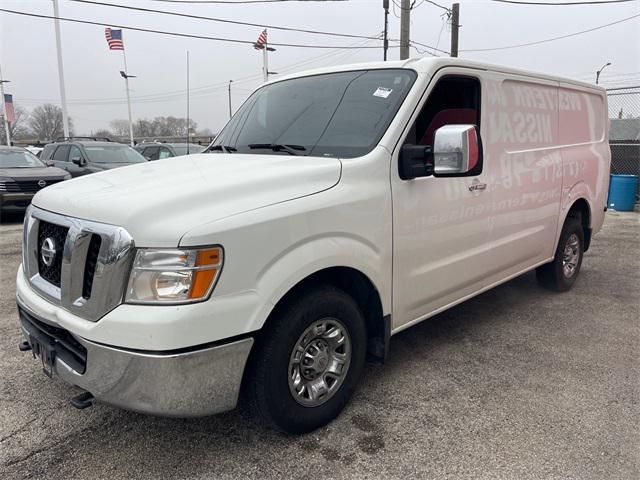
x: 358, y: 286
x: 581, y: 210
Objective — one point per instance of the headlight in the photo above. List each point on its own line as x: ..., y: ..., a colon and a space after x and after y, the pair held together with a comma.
x: 172, y: 276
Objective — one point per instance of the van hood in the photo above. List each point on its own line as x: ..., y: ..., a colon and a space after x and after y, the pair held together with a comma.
x: 158, y: 202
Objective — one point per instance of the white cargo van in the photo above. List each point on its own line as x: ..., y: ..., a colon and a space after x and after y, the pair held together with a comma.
x: 335, y: 209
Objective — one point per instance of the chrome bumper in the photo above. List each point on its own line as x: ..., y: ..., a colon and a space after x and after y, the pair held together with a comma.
x: 190, y: 383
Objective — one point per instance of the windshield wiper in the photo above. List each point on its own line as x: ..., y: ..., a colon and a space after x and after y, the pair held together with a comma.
x: 221, y: 148
x: 277, y: 147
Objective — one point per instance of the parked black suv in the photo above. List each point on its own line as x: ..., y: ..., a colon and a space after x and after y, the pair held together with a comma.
x: 22, y: 175
x: 157, y: 150
x: 84, y: 155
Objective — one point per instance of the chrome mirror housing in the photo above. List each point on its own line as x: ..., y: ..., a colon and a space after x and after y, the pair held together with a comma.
x: 455, y: 150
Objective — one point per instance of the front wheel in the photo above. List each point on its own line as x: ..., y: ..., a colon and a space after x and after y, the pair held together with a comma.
x: 560, y: 274
x: 308, y: 361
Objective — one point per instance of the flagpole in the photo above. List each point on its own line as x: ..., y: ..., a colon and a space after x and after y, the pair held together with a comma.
x: 265, y: 61
x: 4, y: 109
x: 63, y: 95
x: 126, y: 82
x: 187, y: 102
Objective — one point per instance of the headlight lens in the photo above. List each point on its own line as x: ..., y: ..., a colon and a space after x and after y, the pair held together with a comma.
x: 174, y: 275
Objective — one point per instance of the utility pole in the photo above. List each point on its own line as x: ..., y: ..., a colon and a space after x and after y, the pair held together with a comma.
x: 405, y: 20
x: 385, y: 5
x: 230, y: 112
x: 63, y: 95
x: 4, y: 108
x: 455, y: 26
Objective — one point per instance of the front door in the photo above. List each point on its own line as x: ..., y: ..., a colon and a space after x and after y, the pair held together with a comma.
x: 440, y: 225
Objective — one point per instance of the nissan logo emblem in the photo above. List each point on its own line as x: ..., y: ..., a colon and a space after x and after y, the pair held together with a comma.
x: 48, y: 251
x: 42, y: 183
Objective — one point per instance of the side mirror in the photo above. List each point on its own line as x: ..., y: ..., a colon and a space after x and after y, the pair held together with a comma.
x: 415, y: 161
x: 456, y: 150
x: 79, y: 161
x: 49, y: 163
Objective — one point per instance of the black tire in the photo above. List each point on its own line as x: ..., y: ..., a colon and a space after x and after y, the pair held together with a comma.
x: 551, y: 275
x: 267, y: 386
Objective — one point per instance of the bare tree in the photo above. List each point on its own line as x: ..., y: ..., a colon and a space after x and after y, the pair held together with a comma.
x: 46, y: 122
x: 157, y: 127
x: 17, y: 129
x: 103, y: 133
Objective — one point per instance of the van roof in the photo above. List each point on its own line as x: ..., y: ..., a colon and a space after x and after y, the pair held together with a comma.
x: 425, y: 65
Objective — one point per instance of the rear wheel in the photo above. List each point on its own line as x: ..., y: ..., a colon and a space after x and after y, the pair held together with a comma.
x: 560, y: 274
x: 308, y: 362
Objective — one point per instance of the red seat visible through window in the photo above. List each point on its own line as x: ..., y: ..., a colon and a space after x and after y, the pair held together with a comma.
x: 451, y: 116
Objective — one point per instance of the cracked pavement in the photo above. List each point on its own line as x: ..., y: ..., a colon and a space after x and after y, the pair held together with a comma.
x: 515, y: 383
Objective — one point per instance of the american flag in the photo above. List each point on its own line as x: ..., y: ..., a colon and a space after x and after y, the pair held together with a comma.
x: 262, y: 40
x: 114, y: 39
x: 8, y: 105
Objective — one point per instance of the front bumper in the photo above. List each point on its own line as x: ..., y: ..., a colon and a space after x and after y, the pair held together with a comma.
x: 15, y: 200
x: 182, y: 383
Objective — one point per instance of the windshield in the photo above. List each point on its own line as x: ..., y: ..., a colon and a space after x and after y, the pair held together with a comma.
x: 115, y: 154
x: 340, y: 114
x: 18, y: 159
x: 192, y: 149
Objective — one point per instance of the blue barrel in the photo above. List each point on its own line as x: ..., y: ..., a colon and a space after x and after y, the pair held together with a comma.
x: 622, y: 192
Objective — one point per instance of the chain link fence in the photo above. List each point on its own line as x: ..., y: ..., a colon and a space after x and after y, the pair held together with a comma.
x: 624, y: 133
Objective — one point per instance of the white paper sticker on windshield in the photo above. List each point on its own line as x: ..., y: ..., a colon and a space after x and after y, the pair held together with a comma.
x: 382, y: 92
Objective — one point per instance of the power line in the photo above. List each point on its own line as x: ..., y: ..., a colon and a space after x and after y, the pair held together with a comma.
x: 560, y: 4
x: 177, y: 34
x: 222, y: 20
x: 553, y: 38
x: 240, y: 2
x: 428, y: 46
x: 438, y: 5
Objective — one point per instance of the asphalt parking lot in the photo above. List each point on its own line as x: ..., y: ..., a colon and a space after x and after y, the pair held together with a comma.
x: 516, y: 383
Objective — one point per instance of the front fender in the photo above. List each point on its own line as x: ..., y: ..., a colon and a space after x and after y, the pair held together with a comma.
x: 312, y: 255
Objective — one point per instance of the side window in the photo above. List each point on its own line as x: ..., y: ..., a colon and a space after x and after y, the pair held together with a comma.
x: 165, y: 153
x: 453, y: 101
x: 151, y: 153
x: 74, y: 152
x: 61, y: 154
x: 47, y: 153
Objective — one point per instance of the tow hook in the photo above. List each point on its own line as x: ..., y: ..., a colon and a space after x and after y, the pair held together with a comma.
x: 24, y: 346
x: 82, y: 400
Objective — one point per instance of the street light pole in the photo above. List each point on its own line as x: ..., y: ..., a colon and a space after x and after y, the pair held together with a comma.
x: 600, y: 71
x: 4, y: 108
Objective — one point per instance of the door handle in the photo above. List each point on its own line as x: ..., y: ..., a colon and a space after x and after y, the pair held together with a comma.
x: 477, y: 186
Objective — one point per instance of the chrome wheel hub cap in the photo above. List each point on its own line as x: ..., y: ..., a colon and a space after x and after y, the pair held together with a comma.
x: 319, y: 362
x: 570, y: 256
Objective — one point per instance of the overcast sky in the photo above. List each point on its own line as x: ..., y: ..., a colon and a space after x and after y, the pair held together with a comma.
x: 95, y: 90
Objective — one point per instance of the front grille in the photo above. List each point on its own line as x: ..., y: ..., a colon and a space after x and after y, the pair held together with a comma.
x: 97, y: 261
x: 67, y: 348
x: 58, y: 234
x: 90, y: 265
x: 24, y: 186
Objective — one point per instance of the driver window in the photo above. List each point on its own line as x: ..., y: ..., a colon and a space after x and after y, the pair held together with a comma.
x: 455, y: 100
